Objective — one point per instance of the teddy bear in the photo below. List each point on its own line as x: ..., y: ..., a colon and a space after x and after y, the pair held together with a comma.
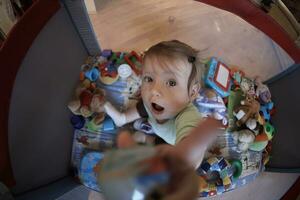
x: 87, y: 102
x: 248, y: 110
x: 243, y: 138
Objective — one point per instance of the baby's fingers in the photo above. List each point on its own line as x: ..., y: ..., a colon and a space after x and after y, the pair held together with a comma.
x: 125, y: 140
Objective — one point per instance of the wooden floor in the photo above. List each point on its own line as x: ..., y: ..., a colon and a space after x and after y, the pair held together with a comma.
x: 131, y: 24
x: 123, y: 25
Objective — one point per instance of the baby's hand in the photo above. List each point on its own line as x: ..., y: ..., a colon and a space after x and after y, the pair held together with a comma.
x: 183, y: 182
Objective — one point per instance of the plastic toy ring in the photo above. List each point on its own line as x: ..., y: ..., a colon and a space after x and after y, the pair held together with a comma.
x: 238, y: 168
x: 269, y: 130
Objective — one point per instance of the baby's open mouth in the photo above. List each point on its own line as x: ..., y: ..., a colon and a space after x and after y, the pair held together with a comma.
x: 157, y: 108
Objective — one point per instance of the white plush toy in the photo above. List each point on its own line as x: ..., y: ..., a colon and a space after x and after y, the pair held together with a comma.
x: 243, y: 139
x: 210, y: 104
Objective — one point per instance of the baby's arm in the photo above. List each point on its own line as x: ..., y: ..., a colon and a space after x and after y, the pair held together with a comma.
x: 120, y: 118
x: 193, y: 146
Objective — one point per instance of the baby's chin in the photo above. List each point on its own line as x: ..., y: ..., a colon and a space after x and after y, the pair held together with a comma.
x: 162, y: 118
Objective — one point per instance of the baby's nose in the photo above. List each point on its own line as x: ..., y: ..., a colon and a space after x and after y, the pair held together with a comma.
x: 156, y: 90
x: 156, y: 93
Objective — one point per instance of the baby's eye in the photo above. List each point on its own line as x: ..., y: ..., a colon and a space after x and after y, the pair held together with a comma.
x: 147, y: 79
x: 171, y: 83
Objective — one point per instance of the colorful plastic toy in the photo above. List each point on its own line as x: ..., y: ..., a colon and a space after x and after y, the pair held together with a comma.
x: 89, y: 167
x: 124, y: 71
x: 218, y: 77
x: 120, y: 60
x: 77, y: 121
x: 143, y: 125
x: 265, y: 110
x: 262, y: 139
x: 106, y: 53
x: 92, y: 74
x: 109, y: 73
x: 96, y: 123
x: 237, y: 167
x: 225, y: 172
x: 236, y: 75
x: 108, y: 124
x: 135, y: 62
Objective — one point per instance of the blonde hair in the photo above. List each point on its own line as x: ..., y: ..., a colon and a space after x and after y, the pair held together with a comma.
x: 175, y: 49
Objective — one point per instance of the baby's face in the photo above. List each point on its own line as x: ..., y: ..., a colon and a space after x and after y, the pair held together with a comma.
x: 164, y: 88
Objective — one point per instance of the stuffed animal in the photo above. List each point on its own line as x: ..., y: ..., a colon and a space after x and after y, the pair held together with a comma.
x: 249, y: 109
x: 210, y: 104
x: 247, y: 85
x: 262, y: 92
x: 262, y: 139
x: 87, y: 102
x: 243, y: 139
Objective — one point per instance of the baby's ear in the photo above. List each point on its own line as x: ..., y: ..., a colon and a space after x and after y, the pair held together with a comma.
x: 194, y: 91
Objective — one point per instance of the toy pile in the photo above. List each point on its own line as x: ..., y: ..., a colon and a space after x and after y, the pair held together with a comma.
x: 243, y: 104
x: 113, y: 76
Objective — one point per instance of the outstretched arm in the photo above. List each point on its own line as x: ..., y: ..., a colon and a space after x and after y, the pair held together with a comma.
x: 193, y: 146
x: 120, y: 118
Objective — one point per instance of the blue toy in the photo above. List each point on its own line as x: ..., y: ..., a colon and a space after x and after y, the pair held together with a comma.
x: 108, y: 124
x: 77, y: 121
x: 92, y: 74
x: 89, y: 166
x: 218, y: 77
x: 265, y: 110
x: 106, y: 53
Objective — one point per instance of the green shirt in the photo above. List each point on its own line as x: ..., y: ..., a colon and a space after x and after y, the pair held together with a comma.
x: 173, y: 130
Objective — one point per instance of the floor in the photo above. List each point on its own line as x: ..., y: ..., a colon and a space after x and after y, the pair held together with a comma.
x: 123, y: 25
x: 268, y: 186
x: 127, y: 24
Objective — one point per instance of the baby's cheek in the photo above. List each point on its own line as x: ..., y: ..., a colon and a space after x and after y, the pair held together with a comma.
x: 144, y: 91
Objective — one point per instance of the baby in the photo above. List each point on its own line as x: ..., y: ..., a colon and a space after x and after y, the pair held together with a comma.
x: 171, y: 77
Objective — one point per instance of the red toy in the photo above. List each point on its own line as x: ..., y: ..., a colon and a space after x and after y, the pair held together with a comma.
x: 134, y: 55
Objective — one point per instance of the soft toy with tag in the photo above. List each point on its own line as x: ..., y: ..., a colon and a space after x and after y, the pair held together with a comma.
x: 249, y: 109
